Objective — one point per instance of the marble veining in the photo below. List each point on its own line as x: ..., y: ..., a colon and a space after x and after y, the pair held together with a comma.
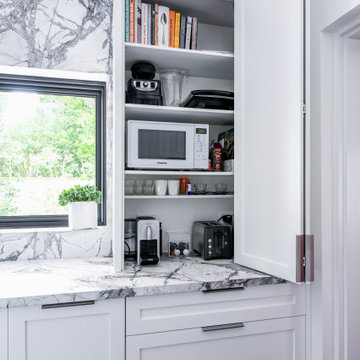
x: 74, y: 35
x: 57, y: 244
x: 26, y: 283
x: 56, y: 34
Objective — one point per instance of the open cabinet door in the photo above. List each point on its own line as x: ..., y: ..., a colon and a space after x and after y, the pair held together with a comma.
x: 269, y: 134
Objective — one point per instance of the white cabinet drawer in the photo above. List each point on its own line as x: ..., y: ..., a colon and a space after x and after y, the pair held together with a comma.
x: 280, y: 339
x: 149, y: 314
x: 90, y: 332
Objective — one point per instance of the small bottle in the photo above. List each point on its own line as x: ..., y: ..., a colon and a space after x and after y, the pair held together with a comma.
x: 188, y: 188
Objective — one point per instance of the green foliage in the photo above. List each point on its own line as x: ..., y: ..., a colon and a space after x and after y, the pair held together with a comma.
x: 7, y: 196
x: 57, y: 140
x: 80, y: 193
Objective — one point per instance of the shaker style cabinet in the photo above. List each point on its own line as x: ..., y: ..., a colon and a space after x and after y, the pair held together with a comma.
x: 280, y: 339
x: 256, y: 323
x: 87, y: 332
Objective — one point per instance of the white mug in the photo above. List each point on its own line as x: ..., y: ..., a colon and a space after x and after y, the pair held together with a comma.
x: 174, y: 186
x: 161, y: 187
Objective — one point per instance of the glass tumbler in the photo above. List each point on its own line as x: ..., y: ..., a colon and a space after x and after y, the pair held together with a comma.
x: 139, y: 187
x: 149, y: 187
x: 129, y: 187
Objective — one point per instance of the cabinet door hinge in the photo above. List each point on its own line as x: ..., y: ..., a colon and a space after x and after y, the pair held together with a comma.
x: 304, y: 109
x: 304, y: 258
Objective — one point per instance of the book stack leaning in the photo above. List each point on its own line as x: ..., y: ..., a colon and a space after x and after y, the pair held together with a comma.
x: 153, y: 24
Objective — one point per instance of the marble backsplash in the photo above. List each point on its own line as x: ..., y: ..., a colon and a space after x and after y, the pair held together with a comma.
x: 69, y: 35
x: 23, y: 245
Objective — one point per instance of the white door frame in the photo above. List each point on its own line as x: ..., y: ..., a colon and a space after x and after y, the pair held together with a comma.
x: 333, y: 179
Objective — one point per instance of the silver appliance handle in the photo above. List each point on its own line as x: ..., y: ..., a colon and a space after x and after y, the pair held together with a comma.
x: 148, y: 232
x: 209, y: 291
x: 68, y: 304
x: 223, y: 327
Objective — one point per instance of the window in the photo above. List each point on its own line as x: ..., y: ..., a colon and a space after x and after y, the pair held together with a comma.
x: 52, y: 137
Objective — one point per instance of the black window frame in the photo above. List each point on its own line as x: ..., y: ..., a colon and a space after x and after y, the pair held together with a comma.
x: 65, y: 87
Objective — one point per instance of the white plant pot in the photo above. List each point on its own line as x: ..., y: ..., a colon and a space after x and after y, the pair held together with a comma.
x: 83, y: 215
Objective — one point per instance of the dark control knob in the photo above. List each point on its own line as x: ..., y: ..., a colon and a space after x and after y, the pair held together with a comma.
x: 218, y: 252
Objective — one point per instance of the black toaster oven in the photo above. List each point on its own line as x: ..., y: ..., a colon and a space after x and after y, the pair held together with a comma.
x: 212, y: 240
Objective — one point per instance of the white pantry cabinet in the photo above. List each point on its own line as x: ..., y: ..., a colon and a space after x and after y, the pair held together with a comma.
x: 280, y: 339
x: 3, y: 334
x: 262, y: 60
x: 83, y: 332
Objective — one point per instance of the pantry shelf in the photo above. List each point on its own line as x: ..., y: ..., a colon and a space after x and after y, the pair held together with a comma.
x: 179, y: 114
x: 217, y: 65
x: 178, y: 197
x: 178, y: 173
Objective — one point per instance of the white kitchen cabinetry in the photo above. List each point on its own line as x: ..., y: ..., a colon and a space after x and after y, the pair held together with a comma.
x: 3, y: 334
x: 256, y: 323
x: 280, y: 339
x: 159, y: 313
x: 266, y: 71
x: 87, y: 332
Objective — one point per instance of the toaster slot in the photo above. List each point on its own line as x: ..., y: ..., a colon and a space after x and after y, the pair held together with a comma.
x: 219, y: 239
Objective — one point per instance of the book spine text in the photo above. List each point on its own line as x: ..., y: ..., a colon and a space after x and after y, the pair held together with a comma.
x: 177, y: 30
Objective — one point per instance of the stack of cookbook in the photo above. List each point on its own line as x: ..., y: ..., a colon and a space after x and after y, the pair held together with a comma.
x: 153, y: 24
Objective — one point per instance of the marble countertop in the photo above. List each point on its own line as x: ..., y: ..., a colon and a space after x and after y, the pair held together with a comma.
x: 37, y: 282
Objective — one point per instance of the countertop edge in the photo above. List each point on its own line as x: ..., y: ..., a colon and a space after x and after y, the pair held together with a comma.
x: 124, y: 292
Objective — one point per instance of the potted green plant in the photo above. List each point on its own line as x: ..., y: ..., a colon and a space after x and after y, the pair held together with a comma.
x: 82, y: 202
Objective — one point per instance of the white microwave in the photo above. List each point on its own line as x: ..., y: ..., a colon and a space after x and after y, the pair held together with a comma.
x: 163, y: 145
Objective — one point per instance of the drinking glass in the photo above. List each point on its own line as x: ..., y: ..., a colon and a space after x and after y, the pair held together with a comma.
x: 171, y: 81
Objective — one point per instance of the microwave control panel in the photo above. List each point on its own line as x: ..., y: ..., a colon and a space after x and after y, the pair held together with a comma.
x: 201, y: 146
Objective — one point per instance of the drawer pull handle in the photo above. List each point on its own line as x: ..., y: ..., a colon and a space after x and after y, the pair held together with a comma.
x: 209, y: 291
x: 68, y: 304
x: 223, y: 327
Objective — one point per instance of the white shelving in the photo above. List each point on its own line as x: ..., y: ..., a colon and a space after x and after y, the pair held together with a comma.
x: 179, y: 114
x: 195, y: 62
x: 177, y: 173
x: 213, y: 69
x: 178, y: 197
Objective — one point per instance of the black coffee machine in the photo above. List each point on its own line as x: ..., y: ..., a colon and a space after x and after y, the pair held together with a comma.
x: 142, y: 88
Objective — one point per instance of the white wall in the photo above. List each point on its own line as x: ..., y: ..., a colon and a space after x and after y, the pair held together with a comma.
x: 323, y: 13
x: 352, y: 196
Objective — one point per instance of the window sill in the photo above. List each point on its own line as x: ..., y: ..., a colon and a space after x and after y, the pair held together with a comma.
x: 42, y: 229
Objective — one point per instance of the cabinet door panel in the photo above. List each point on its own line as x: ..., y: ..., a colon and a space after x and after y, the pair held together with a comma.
x: 159, y: 313
x: 90, y: 332
x: 280, y: 339
x: 269, y: 134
